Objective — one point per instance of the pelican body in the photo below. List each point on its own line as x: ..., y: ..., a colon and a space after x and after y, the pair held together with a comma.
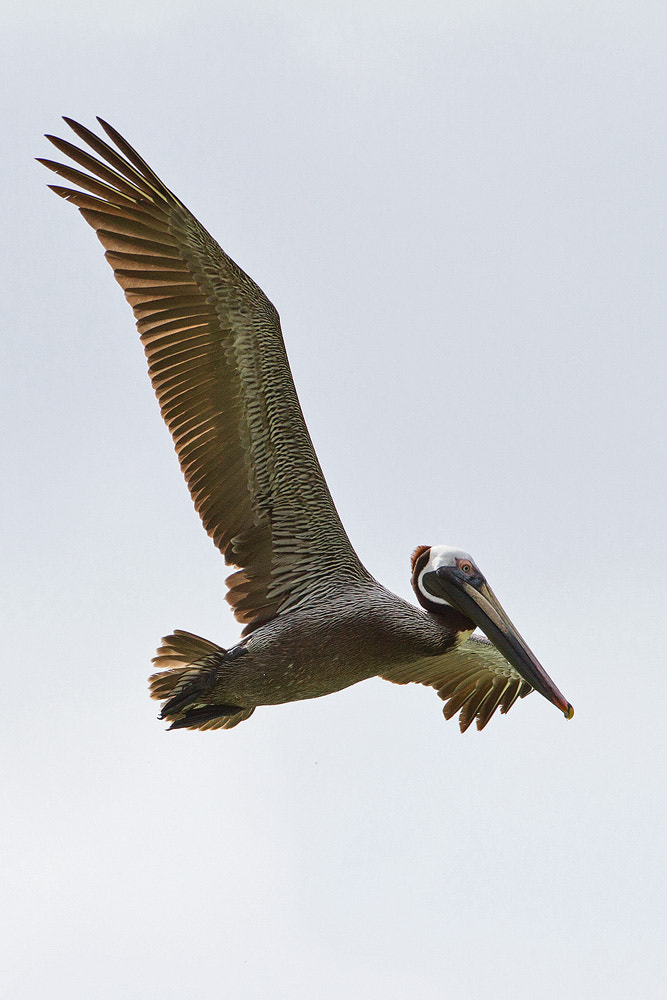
x: 315, y: 620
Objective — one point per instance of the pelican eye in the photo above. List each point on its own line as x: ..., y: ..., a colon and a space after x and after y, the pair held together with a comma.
x: 466, y: 567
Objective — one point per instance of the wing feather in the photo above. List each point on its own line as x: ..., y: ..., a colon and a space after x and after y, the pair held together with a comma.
x: 473, y: 679
x: 218, y: 365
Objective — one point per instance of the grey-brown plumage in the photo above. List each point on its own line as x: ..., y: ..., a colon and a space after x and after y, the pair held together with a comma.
x: 315, y: 621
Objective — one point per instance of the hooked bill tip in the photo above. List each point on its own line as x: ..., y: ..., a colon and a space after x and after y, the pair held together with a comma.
x: 569, y: 712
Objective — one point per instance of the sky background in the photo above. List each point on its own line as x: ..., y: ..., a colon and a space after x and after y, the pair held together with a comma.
x: 460, y: 212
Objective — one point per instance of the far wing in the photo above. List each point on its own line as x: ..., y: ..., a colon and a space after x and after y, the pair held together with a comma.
x: 220, y: 372
x: 473, y: 679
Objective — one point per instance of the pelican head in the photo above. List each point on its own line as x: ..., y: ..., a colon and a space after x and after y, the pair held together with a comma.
x: 449, y: 584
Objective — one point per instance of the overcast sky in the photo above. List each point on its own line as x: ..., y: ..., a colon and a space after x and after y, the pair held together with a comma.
x: 459, y: 210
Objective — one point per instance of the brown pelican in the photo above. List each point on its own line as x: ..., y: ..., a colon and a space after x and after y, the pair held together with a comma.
x: 315, y: 620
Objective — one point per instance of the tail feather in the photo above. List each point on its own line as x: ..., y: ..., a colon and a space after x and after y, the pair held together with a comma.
x: 190, y: 667
x: 206, y: 717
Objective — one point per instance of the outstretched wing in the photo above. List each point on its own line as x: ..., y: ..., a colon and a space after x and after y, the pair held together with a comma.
x: 473, y: 679
x: 220, y: 372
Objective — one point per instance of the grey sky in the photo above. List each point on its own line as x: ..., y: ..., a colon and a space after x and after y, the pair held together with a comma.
x: 460, y: 215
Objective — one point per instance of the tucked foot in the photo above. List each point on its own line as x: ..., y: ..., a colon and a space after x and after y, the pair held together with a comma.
x: 194, y: 670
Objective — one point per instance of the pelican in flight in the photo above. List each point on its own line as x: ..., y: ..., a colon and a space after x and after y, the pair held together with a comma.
x: 314, y: 620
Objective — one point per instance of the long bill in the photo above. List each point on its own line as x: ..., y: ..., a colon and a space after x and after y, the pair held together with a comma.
x: 483, y: 608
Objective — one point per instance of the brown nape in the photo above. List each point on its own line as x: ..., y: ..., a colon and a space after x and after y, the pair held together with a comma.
x: 420, y: 558
x: 419, y: 551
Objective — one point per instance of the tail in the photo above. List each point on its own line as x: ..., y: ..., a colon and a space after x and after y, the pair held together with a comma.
x: 190, y: 668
